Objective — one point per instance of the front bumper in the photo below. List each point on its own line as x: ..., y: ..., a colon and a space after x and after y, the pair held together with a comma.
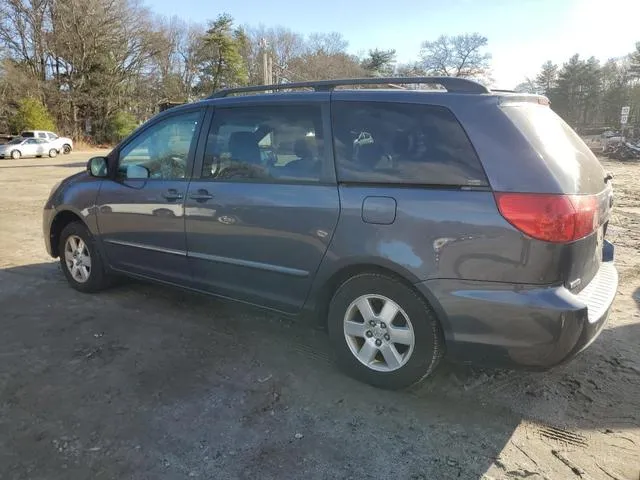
x: 506, y: 325
x: 48, y: 215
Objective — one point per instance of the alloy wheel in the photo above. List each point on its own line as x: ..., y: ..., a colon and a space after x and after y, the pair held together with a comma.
x: 77, y: 258
x: 379, y: 333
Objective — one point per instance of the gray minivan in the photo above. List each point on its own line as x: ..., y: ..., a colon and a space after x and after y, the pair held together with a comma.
x: 413, y: 224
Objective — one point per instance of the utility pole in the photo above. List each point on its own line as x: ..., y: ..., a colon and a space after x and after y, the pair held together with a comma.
x: 267, y: 63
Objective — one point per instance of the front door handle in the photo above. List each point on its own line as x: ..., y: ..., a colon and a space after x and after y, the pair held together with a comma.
x: 201, y: 196
x: 172, y: 194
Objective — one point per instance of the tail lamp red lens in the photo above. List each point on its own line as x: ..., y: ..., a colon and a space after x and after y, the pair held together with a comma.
x: 552, y: 218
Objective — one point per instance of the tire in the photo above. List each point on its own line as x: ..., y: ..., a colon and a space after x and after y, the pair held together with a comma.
x: 96, y: 276
x: 53, y: 153
x: 418, y: 354
x: 15, y: 154
x: 66, y: 148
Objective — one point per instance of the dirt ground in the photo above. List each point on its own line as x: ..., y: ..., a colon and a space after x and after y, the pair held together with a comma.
x: 144, y: 382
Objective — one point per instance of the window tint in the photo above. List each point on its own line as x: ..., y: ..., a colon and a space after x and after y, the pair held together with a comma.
x: 42, y: 135
x: 281, y: 143
x: 162, y: 149
x: 402, y: 143
x: 27, y: 134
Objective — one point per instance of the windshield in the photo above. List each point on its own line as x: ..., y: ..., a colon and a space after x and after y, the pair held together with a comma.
x: 16, y: 141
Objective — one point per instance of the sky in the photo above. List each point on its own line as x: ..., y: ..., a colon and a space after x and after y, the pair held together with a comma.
x: 522, y: 34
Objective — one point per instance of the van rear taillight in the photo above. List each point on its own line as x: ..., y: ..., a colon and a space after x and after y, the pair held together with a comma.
x: 552, y: 218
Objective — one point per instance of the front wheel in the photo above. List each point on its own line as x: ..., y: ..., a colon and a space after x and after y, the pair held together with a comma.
x: 80, y: 260
x: 16, y: 154
x: 53, y: 153
x: 383, y: 332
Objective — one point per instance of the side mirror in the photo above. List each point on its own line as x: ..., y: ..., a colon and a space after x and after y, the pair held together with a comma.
x: 137, y: 171
x: 97, y: 167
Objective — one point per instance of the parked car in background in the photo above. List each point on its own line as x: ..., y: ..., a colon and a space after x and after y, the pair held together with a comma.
x: 411, y: 223
x: 62, y: 144
x: 28, y: 147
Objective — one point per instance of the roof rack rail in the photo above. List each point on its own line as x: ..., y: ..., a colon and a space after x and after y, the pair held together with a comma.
x: 451, y: 84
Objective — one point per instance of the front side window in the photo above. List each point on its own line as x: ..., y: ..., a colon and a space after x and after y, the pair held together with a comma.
x: 163, y: 149
x: 281, y: 143
x: 52, y: 136
x: 400, y: 143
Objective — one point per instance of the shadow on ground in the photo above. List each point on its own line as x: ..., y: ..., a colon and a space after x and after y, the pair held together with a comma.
x: 147, y: 382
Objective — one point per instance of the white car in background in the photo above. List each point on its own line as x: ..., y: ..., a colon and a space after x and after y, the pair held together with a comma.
x: 28, y: 147
x: 62, y: 144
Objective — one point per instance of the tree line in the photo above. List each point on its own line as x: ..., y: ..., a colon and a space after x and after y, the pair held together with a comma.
x: 97, y: 68
x: 100, y: 67
x: 588, y: 94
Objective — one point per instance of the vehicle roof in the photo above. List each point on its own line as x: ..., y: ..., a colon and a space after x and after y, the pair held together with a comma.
x: 437, y: 97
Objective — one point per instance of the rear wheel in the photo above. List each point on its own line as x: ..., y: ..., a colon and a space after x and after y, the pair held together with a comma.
x: 15, y: 154
x: 66, y: 148
x: 80, y: 260
x: 53, y: 153
x: 383, y: 332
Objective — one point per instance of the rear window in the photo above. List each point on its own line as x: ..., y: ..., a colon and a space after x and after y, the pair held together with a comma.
x: 554, y: 141
x: 379, y: 142
x: 28, y: 134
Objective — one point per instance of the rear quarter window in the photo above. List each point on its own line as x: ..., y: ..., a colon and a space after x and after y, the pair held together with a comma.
x: 398, y: 143
x: 569, y: 160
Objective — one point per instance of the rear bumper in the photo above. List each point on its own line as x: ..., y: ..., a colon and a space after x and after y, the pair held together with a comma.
x: 506, y: 325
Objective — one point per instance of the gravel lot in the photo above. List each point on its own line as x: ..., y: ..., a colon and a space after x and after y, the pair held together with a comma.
x: 144, y: 382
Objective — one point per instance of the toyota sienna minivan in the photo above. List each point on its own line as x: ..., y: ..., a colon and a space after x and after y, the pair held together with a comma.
x: 413, y: 224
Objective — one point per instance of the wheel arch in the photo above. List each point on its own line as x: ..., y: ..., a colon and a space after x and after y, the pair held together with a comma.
x: 318, y: 303
x: 60, y: 221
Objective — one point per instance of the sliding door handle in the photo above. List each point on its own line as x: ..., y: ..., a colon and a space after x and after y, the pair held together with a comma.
x: 172, y: 194
x: 201, y: 196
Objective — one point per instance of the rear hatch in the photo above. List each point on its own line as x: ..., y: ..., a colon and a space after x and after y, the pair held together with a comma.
x: 575, y: 216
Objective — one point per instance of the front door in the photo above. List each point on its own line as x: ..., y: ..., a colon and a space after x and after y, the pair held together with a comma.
x: 141, y: 210
x: 261, y: 214
x: 32, y: 147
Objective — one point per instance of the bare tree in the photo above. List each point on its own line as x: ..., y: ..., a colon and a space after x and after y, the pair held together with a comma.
x: 282, y: 43
x: 456, y: 56
x: 326, y: 43
x: 23, y: 27
x: 528, y: 86
x: 320, y: 66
